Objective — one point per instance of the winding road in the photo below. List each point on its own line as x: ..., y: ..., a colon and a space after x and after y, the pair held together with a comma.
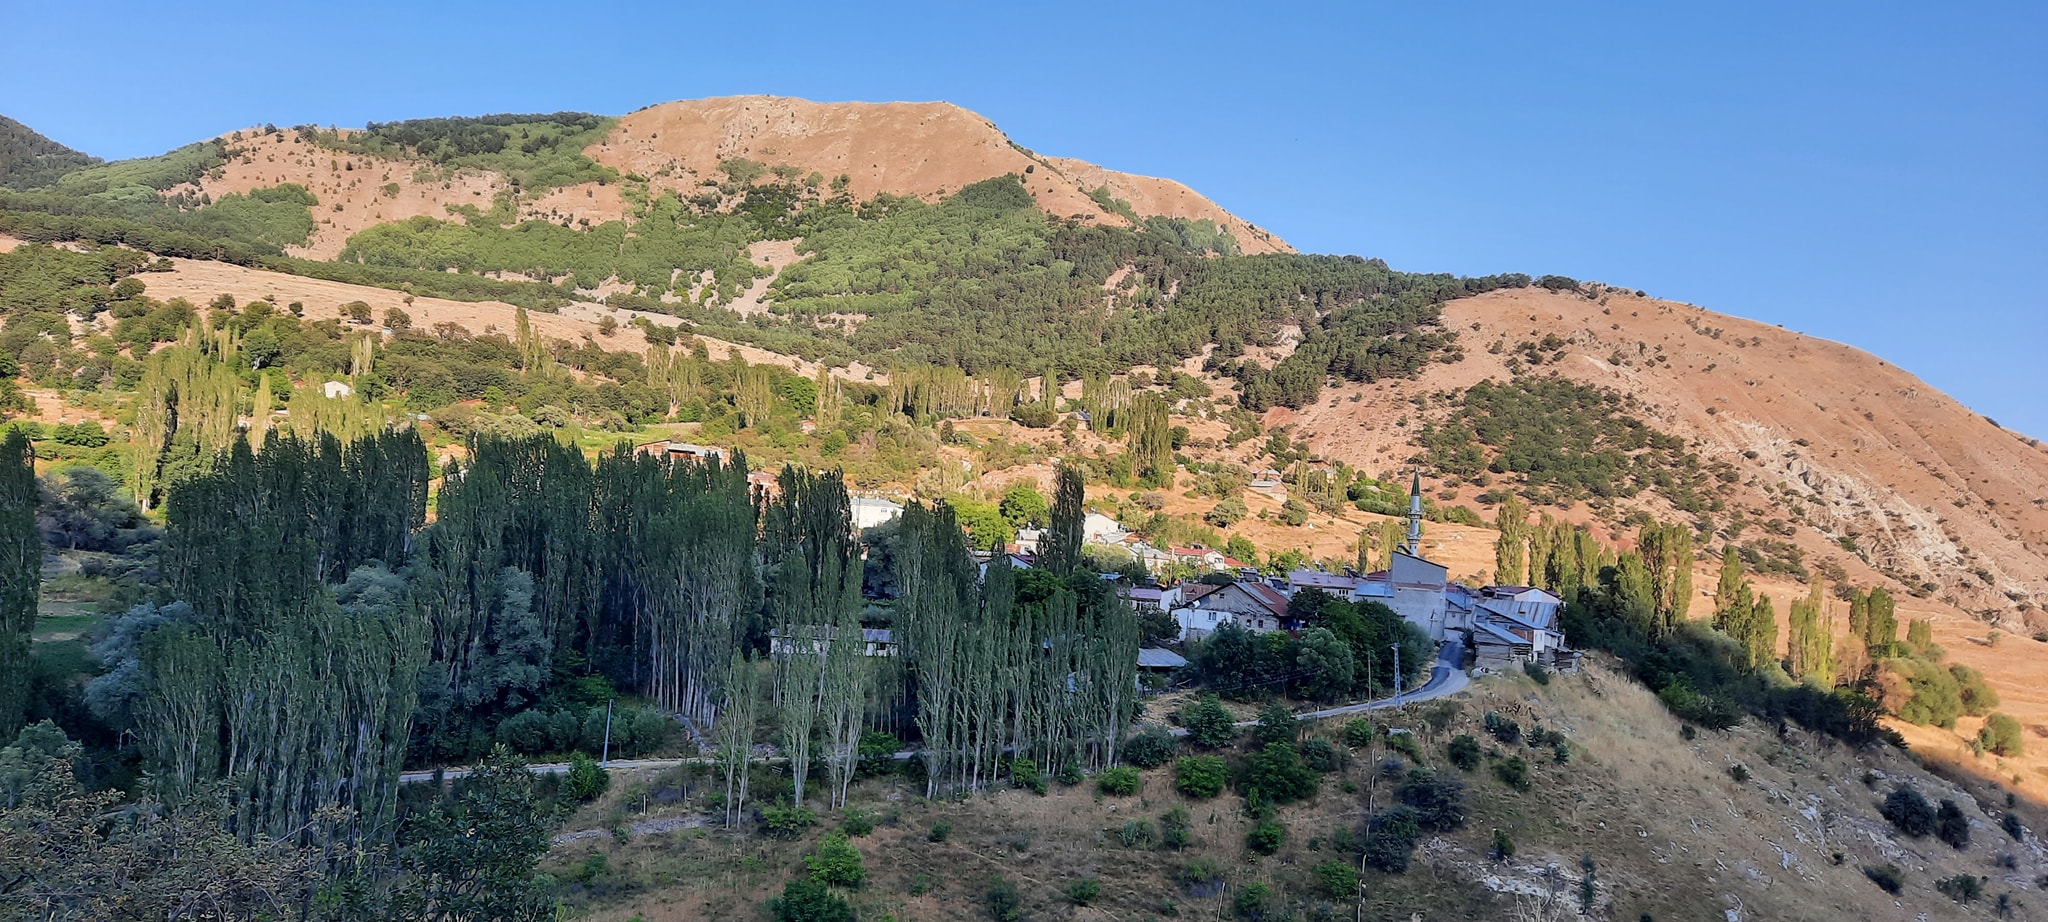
x: 1446, y: 678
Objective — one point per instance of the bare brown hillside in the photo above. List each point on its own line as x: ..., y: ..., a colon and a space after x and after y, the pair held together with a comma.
x: 925, y: 149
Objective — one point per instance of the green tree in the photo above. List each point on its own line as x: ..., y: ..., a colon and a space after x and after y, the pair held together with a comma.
x: 1200, y: 776
x: 1209, y: 724
x: 472, y: 853
x: 807, y: 900
x: 1326, y: 663
x: 1024, y: 506
x: 2002, y: 734
x: 837, y: 863
x: 1511, y: 547
x: 20, y: 575
x: 1810, y: 639
x: 1059, y: 550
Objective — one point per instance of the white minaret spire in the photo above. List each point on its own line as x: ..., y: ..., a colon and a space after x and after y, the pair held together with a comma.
x: 1413, y: 546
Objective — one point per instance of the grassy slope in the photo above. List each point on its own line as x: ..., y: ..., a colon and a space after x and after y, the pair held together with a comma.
x: 1673, y: 835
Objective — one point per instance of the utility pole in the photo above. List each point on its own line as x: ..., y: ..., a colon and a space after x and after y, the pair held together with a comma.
x: 1397, y: 674
x: 605, y: 760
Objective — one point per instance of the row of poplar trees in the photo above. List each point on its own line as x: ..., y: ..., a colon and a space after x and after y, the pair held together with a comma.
x: 328, y: 623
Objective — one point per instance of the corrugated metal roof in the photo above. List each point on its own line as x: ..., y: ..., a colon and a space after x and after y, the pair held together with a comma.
x: 1157, y: 658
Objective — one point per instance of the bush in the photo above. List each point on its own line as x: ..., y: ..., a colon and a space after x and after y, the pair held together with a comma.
x: 1503, y: 846
x: 587, y: 779
x: 1200, y: 874
x: 1405, y: 743
x: 1390, y: 838
x: 1200, y: 777
x: 2001, y: 735
x: 1138, y: 834
x: 787, y: 822
x: 1951, y: 826
x: 2012, y: 826
x: 941, y: 831
x: 1359, y: 733
x: 1513, y: 771
x: 1887, y: 877
x: 1338, y: 879
x: 1439, y: 801
x: 1503, y: 729
x: 1118, y: 781
x: 857, y: 823
x: 837, y: 863
x: 1276, y: 725
x: 1150, y: 748
x: 1464, y: 752
x: 1320, y: 755
x: 1962, y: 888
x: 1254, y: 902
x: 1277, y: 772
x: 1537, y: 671
x: 1908, y: 812
x: 1265, y: 838
x: 1069, y: 774
x: 806, y: 900
x: 1082, y: 892
x: 1024, y: 773
x: 1004, y: 903
x: 1175, y: 828
x: 1739, y: 772
x: 1209, y: 725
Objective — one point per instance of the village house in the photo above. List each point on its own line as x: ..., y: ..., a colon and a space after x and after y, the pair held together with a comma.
x: 1201, y: 608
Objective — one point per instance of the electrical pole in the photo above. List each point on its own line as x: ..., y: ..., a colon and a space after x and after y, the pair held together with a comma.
x: 605, y: 760
x: 1397, y: 675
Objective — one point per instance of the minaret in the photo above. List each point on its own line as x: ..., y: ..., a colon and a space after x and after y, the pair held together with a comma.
x: 1413, y: 546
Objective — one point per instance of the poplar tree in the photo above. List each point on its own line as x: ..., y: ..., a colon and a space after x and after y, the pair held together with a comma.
x: 1151, y: 441
x: 1667, y: 552
x: 1810, y: 639
x: 815, y: 603
x: 1392, y: 533
x: 1761, y: 632
x: 1881, y: 632
x: 1511, y: 548
x: 1731, y: 598
x: 20, y: 575
x: 1059, y: 550
x: 740, y: 695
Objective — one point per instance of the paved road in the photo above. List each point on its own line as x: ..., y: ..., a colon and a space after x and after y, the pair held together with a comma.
x: 1447, y: 678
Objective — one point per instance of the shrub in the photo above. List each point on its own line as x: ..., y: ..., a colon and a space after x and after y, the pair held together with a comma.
x: 1439, y: 801
x: 1277, y: 772
x: 806, y: 900
x: 1537, y: 671
x: 1004, y: 903
x: 1359, y: 733
x: 1118, y: 781
x: 1405, y: 743
x: 1069, y: 774
x: 1209, y: 725
x: 1024, y: 773
x: 857, y: 823
x: 1276, y: 725
x: 787, y: 822
x: 1887, y: 877
x: 1739, y: 772
x: 1200, y: 873
x: 1951, y: 826
x: 1962, y: 888
x: 1265, y: 838
x: 1320, y: 755
x: 1084, y: 891
x: 1502, y: 728
x: 837, y: 862
x: 1513, y: 771
x: 1138, y: 834
x: 1338, y: 879
x: 1464, y: 752
x: 2001, y: 734
x: 1254, y: 902
x: 941, y: 831
x: 1503, y: 846
x: 1151, y: 747
x: 1390, y: 838
x: 1200, y: 776
x: 2011, y: 824
x: 1908, y: 812
x: 586, y: 779
x: 1175, y: 828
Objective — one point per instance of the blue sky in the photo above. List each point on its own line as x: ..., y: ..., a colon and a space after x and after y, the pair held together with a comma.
x: 1873, y: 173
